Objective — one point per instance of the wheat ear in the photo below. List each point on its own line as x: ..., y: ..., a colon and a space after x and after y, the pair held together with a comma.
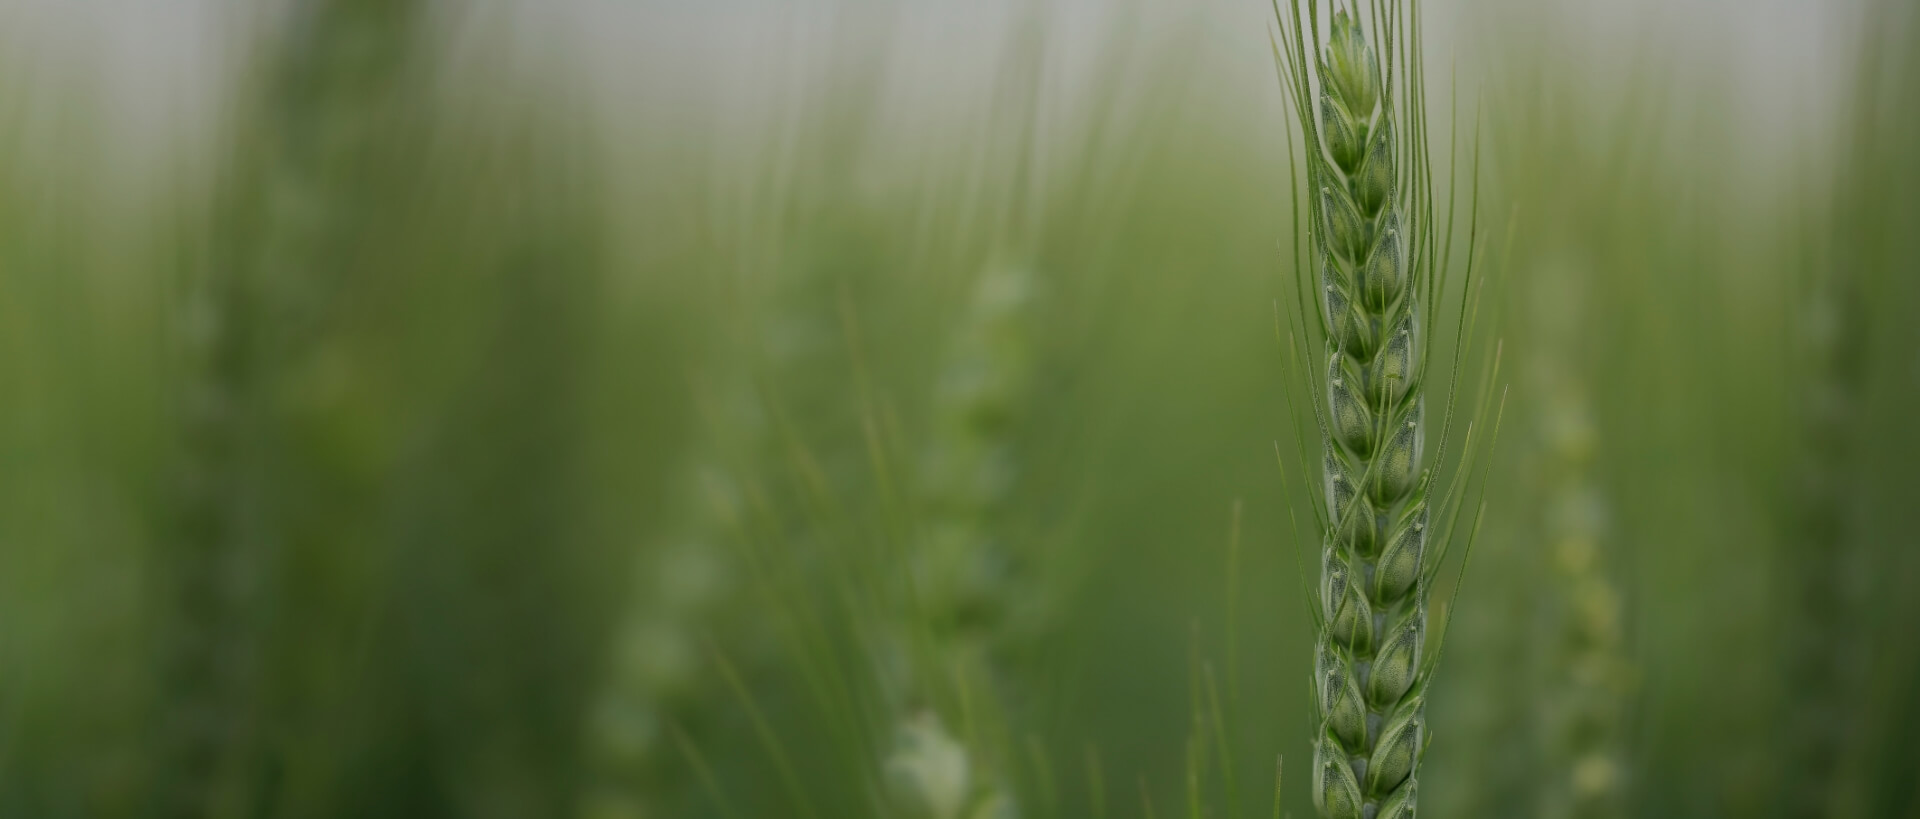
x: 1836, y: 729
x: 256, y: 315
x: 1373, y: 275
x: 963, y: 593
x: 652, y: 677
x: 647, y: 712
x: 1587, y: 672
x: 646, y: 716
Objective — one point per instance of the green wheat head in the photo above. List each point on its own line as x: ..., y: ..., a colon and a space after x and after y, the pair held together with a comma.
x: 656, y: 693
x: 964, y: 595
x: 1838, y: 749
x: 1583, y: 697
x: 257, y: 312
x: 1375, y: 280
x: 648, y: 714
x: 967, y: 471
x: 654, y: 669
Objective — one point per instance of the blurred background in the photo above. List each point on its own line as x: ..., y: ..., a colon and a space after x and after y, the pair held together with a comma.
x: 843, y: 408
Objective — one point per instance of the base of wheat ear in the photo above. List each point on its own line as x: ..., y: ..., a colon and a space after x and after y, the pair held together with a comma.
x: 1372, y: 273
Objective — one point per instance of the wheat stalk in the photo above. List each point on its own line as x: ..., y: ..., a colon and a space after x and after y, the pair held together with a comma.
x: 1375, y: 281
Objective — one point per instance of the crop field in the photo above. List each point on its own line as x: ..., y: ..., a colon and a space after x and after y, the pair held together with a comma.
x: 1023, y: 409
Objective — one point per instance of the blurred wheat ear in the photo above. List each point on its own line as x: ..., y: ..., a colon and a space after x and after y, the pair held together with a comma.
x: 1582, y: 695
x: 713, y: 589
x: 1836, y: 754
x: 1823, y: 630
x: 1376, y: 273
x: 650, y: 706
x: 262, y: 296
x: 961, y: 594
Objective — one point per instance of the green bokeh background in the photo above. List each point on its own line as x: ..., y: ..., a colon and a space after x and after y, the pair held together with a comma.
x: 491, y: 316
